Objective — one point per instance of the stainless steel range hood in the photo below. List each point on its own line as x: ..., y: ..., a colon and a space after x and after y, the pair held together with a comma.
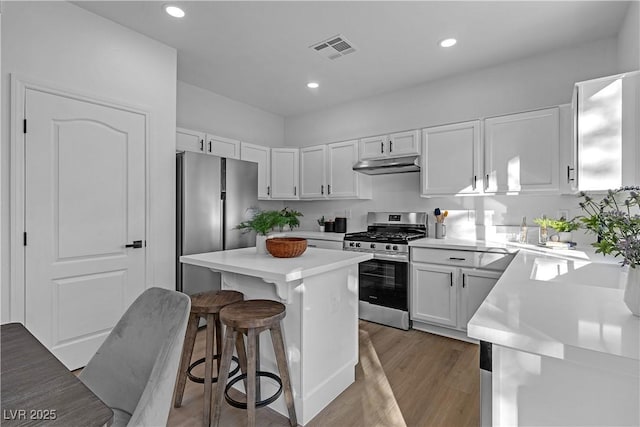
x: 386, y: 166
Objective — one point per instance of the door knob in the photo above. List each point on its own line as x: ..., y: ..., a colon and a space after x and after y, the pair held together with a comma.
x: 137, y: 244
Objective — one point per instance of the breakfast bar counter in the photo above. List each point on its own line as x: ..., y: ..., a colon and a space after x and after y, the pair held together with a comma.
x: 320, y: 291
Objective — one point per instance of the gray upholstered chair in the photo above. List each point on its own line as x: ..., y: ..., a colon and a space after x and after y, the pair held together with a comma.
x: 134, y: 371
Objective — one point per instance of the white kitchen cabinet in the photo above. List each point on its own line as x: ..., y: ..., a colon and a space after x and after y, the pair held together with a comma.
x: 262, y: 156
x: 522, y: 151
x: 223, y: 147
x: 342, y: 181
x: 606, y: 112
x: 326, y: 172
x: 190, y: 140
x: 452, y: 159
x: 434, y: 294
x: 200, y: 142
x: 476, y: 285
x: 313, y: 165
x: 568, y: 150
x: 394, y: 145
x: 284, y: 173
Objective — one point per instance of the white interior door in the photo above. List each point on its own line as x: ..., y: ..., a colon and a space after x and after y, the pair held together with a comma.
x: 84, y: 200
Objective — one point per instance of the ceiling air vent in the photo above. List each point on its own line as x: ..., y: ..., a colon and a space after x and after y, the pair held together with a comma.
x: 334, y: 47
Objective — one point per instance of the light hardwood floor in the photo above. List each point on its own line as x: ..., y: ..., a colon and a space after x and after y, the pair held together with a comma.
x: 404, y: 378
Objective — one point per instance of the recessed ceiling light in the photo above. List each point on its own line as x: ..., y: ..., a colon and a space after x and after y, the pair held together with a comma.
x: 448, y: 42
x: 313, y: 85
x: 174, y: 11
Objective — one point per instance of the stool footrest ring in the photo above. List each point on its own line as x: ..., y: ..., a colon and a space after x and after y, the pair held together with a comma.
x: 200, y: 380
x: 259, y: 404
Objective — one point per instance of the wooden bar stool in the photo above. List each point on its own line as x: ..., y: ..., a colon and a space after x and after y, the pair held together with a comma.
x: 252, y: 317
x: 206, y: 305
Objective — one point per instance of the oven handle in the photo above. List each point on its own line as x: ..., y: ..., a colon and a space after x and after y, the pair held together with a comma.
x: 391, y: 257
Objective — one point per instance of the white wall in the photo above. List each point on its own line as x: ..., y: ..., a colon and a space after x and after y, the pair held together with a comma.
x: 59, y: 43
x: 535, y: 82
x: 628, y: 50
x: 200, y: 109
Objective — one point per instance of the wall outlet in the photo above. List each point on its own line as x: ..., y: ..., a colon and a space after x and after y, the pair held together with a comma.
x: 347, y: 213
x: 562, y: 213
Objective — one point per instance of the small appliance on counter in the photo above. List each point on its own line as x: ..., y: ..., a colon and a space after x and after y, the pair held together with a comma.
x: 340, y: 225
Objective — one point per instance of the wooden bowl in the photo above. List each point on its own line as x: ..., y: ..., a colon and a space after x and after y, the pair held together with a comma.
x: 286, y: 247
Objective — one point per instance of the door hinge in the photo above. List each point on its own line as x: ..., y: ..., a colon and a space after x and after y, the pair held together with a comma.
x: 24, y: 238
x: 24, y: 126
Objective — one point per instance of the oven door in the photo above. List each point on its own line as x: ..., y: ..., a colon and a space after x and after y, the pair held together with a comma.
x: 384, y: 282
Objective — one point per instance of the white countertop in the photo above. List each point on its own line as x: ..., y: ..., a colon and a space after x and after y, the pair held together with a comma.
x: 319, y: 235
x: 459, y: 244
x: 562, y: 304
x: 248, y: 262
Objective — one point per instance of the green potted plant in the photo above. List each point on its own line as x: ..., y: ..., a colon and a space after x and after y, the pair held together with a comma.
x: 564, y: 228
x: 264, y: 222
x: 321, y: 222
x: 616, y: 221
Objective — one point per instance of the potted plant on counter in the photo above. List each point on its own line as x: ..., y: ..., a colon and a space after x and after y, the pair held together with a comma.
x: 564, y: 228
x: 616, y: 221
x: 264, y: 222
x: 321, y: 222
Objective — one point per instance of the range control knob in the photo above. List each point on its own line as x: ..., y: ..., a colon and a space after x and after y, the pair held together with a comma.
x: 351, y: 244
x: 373, y: 246
x: 395, y: 248
x: 387, y: 247
x: 357, y: 245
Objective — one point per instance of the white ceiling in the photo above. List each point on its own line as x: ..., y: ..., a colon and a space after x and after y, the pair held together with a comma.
x: 258, y: 52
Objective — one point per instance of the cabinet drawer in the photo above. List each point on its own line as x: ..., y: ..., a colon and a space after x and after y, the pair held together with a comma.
x: 473, y: 259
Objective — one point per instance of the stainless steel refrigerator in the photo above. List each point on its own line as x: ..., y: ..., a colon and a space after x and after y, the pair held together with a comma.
x: 213, y: 195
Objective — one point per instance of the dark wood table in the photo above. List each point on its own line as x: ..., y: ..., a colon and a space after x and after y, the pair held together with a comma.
x: 37, y: 389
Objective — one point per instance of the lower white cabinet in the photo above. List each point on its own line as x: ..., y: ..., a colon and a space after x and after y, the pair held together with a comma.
x: 434, y: 294
x: 476, y: 285
x: 448, y: 288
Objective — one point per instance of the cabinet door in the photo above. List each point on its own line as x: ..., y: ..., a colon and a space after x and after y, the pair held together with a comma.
x: 342, y: 181
x: 434, y: 294
x: 374, y: 147
x: 284, y: 173
x: 261, y: 156
x: 312, y: 172
x: 404, y: 143
x: 476, y: 285
x: 190, y: 140
x: 568, y: 152
x: 451, y: 159
x: 223, y: 147
x: 521, y: 152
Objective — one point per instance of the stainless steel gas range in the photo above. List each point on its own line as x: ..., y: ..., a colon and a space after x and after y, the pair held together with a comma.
x: 384, y: 280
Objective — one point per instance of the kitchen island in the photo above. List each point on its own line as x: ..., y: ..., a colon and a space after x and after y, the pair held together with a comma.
x: 565, y: 348
x: 320, y: 291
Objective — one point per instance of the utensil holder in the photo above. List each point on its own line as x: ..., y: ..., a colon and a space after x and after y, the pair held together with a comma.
x: 441, y: 230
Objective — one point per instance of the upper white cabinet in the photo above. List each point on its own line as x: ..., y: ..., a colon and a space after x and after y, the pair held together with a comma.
x: 342, y: 181
x: 313, y: 172
x: 199, y: 142
x: 190, y: 140
x: 326, y: 172
x: 452, y: 159
x: 262, y: 156
x: 607, y: 132
x: 521, y: 152
x: 284, y: 173
x: 223, y: 147
x: 393, y: 145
